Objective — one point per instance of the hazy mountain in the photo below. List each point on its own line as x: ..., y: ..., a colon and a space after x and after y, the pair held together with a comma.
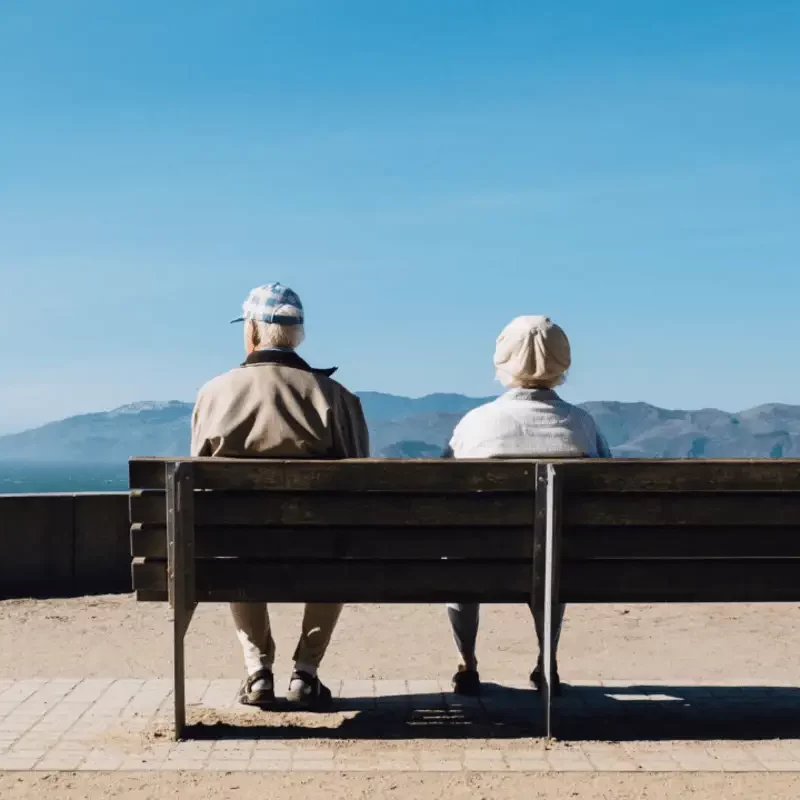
x: 403, y: 427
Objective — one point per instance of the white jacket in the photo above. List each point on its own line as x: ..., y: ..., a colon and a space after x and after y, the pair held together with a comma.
x: 528, y: 423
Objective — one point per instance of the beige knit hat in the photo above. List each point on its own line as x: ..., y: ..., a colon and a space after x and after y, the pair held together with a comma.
x: 532, y: 352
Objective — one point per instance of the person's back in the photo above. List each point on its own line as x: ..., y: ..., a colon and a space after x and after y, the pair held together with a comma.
x: 276, y: 406
x: 528, y: 423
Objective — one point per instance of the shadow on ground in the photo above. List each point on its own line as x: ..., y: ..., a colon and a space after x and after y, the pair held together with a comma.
x: 629, y: 713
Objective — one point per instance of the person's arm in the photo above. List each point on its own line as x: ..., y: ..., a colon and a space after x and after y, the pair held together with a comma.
x: 351, y: 429
x: 450, y: 449
x: 360, y: 431
x: 200, y: 445
x: 603, y: 450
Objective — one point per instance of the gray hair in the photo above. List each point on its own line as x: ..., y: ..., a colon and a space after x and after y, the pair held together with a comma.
x: 270, y: 334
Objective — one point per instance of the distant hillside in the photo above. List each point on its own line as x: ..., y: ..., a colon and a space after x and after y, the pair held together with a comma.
x: 404, y: 427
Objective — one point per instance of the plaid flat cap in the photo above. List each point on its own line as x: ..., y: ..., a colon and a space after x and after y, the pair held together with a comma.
x: 273, y: 303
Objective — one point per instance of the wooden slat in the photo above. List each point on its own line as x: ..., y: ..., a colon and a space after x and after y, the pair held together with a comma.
x: 432, y: 476
x: 230, y: 580
x: 684, y: 475
x: 634, y: 542
x: 684, y: 581
x: 337, y: 542
x: 318, y: 508
x: 693, y: 508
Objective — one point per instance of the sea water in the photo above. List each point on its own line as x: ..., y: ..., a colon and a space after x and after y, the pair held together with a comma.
x: 21, y: 477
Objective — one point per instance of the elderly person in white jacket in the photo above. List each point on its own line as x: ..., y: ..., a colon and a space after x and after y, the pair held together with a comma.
x: 529, y: 421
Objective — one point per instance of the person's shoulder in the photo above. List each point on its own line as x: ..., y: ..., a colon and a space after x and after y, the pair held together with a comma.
x: 480, y: 414
x: 580, y: 414
x: 220, y: 383
x: 340, y: 389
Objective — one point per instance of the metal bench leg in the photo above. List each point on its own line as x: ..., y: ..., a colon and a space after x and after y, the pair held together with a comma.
x: 546, y: 573
x: 181, y: 578
x: 547, y: 644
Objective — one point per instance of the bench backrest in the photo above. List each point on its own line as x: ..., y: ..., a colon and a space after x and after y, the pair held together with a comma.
x: 689, y: 530
x: 371, y: 531
x: 433, y: 531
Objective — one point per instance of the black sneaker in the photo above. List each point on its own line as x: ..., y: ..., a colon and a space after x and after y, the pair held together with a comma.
x: 311, y: 693
x: 258, y: 689
x: 537, y: 681
x: 467, y: 682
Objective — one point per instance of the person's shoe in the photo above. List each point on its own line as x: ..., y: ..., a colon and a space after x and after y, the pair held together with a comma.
x: 537, y: 681
x: 258, y: 689
x: 467, y: 682
x: 308, y: 692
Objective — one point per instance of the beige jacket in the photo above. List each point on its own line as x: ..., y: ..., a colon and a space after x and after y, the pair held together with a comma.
x: 276, y: 406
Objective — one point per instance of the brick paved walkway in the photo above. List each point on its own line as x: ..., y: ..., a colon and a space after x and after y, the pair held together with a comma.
x: 109, y: 724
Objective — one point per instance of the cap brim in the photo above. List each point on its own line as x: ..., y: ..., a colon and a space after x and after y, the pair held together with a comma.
x: 238, y: 319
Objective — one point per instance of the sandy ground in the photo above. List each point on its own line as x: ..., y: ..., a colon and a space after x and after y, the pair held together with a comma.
x: 427, y: 787
x: 115, y: 637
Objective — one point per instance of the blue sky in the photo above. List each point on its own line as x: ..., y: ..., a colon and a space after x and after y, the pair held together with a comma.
x: 420, y: 172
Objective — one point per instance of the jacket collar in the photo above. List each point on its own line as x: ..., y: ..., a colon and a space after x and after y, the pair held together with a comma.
x: 545, y: 395
x: 284, y: 358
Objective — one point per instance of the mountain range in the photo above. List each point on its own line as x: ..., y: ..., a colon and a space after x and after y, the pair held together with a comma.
x: 404, y: 427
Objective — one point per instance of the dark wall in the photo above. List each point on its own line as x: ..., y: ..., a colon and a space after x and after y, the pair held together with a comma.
x: 55, y: 545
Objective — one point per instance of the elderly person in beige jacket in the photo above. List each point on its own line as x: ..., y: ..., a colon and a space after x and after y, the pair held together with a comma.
x: 275, y: 405
x: 529, y: 421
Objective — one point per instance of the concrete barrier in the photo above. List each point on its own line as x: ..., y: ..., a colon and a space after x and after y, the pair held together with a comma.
x: 57, y: 545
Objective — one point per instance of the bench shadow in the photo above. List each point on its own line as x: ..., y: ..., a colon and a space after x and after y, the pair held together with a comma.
x: 584, y: 713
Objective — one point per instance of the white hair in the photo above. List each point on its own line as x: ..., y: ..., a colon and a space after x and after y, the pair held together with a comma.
x: 269, y: 334
x: 518, y: 382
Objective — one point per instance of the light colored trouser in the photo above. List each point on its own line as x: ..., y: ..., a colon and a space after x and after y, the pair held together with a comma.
x: 255, y: 636
x: 464, y: 619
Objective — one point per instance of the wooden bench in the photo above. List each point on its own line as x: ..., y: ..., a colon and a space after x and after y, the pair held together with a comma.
x: 581, y: 531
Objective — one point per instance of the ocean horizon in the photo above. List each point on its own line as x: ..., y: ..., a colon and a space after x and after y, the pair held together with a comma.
x: 28, y: 477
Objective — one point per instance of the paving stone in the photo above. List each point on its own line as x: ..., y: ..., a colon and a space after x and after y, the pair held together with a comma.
x: 770, y: 753
x: 226, y: 764
x: 528, y: 765
x: 698, y: 761
x: 183, y: 765
x: 37, y: 742
x: 110, y: 764
x: 443, y: 765
x: 745, y: 765
x: 310, y: 765
x: 117, y: 696
x: 17, y: 762
x: 21, y: 691
x: 355, y: 764
x: 88, y: 690
x: 646, y: 764
x: 357, y: 694
x: 66, y: 762
x: 70, y: 747
x: 195, y: 690
x: 147, y: 701
x: 610, y: 764
x: 268, y: 765
x: 221, y: 693
x: 568, y: 762
x: 272, y: 755
x: 312, y: 753
x: 269, y: 745
x: 397, y: 689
